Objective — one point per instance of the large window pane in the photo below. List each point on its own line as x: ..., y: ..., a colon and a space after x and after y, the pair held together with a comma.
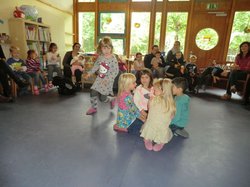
x: 86, y: 1
x: 112, y: 23
x: 87, y: 31
x: 118, y: 45
x: 240, y: 33
x: 178, y: 0
x: 176, y: 29
x: 157, y: 28
x: 139, y: 32
x: 141, y: 0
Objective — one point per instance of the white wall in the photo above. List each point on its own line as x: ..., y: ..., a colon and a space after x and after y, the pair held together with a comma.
x: 56, y: 19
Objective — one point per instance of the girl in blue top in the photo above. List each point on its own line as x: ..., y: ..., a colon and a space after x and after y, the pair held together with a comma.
x: 127, y: 110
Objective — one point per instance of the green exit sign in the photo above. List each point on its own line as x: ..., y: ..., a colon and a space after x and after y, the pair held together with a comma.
x: 212, y: 6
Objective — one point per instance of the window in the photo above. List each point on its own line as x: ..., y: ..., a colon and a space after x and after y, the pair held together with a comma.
x: 157, y: 28
x: 176, y: 29
x: 118, y: 45
x: 139, y: 32
x: 141, y: 0
x: 240, y: 33
x: 85, y: 1
x: 207, y: 39
x: 87, y: 31
x: 112, y: 23
x: 178, y: 0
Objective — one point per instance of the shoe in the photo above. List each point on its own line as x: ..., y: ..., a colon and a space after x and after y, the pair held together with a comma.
x: 226, y: 97
x: 233, y: 89
x: 91, y: 111
x: 119, y: 129
x: 148, y: 145
x: 182, y: 132
x: 158, y: 147
x: 112, y: 103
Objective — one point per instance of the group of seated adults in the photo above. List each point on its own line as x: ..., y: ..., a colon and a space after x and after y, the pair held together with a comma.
x: 174, y: 65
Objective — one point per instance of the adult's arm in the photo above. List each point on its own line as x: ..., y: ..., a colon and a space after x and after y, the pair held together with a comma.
x: 169, y: 57
x: 163, y: 62
x: 147, y: 61
x: 67, y: 59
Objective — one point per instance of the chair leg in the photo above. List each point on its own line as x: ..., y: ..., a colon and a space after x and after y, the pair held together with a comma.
x: 13, y: 88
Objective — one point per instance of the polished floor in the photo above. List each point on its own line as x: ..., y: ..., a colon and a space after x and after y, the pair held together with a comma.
x: 48, y: 141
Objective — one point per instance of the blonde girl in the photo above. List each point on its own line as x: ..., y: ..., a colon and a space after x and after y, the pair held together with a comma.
x: 107, y: 67
x: 127, y: 110
x: 161, y: 110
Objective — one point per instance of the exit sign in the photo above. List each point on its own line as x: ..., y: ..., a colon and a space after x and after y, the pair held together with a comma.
x: 212, y: 6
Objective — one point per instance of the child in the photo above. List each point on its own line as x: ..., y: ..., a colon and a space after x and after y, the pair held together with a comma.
x: 77, y: 63
x: 141, y: 97
x: 18, y: 65
x: 161, y: 110
x: 138, y: 63
x: 180, y: 120
x: 177, y: 65
x: 53, y: 60
x: 107, y: 67
x: 127, y: 110
x: 191, y: 73
x: 156, y: 62
x: 33, y: 69
x: 142, y: 92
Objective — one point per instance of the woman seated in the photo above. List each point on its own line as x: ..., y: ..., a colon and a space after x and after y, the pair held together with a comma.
x: 240, y: 71
x: 67, y: 67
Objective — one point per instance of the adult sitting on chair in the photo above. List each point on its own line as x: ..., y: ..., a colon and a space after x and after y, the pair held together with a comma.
x: 148, y: 58
x: 171, y: 53
x: 66, y: 63
x: 241, y: 69
x: 5, y: 70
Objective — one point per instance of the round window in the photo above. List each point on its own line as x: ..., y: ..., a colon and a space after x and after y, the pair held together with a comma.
x: 207, y: 39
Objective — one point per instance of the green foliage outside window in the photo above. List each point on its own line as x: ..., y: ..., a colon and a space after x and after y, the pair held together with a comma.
x: 139, y: 32
x: 240, y: 33
x: 176, y: 29
x: 87, y: 31
x: 157, y: 28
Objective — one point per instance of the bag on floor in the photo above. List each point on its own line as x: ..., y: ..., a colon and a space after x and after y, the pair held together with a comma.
x: 65, y: 86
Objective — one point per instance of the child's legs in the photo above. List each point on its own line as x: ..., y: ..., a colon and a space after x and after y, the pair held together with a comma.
x: 58, y: 71
x: 174, y: 127
x: 93, y: 98
x: 135, y: 127
x: 42, y: 79
x: 104, y: 98
x: 73, y: 68
x: 25, y: 76
x: 36, y: 78
x: 50, y: 72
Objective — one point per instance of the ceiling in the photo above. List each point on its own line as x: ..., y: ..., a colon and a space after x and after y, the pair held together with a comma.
x: 66, y: 5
